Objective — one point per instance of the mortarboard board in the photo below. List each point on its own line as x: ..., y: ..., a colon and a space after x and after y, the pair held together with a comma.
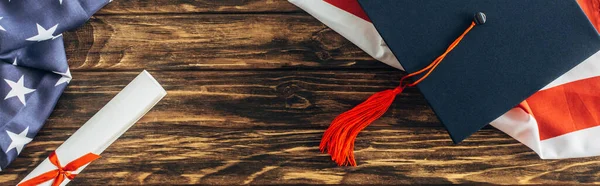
x: 489, y: 69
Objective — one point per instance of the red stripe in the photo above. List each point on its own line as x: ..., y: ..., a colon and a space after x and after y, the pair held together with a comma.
x: 567, y: 108
x: 573, y: 106
x: 592, y: 10
x: 350, y: 6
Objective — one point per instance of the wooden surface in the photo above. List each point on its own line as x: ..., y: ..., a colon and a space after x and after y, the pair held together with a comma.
x: 252, y: 85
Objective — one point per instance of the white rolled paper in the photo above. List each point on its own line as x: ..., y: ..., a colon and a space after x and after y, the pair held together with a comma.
x: 116, y: 117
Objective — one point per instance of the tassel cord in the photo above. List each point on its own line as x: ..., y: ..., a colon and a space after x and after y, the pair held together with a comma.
x: 338, y: 140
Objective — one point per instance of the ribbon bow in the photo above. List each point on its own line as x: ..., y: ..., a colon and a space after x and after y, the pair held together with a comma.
x: 59, y: 174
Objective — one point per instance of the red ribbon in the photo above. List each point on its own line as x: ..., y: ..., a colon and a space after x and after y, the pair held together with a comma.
x: 59, y: 174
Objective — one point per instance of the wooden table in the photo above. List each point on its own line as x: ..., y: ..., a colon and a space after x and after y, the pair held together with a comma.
x: 252, y: 85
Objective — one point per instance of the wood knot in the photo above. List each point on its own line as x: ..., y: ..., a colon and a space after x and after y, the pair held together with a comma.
x: 297, y: 102
x: 292, y: 99
x: 329, y: 39
x: 287, y: 89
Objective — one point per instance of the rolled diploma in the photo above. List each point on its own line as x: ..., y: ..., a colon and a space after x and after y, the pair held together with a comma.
x: 116, y: 117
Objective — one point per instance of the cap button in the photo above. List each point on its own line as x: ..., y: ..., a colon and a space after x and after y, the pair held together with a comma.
x: 480, y: 18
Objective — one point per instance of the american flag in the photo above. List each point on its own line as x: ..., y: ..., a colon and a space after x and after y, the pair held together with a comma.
x: 560, y: 121
x: 34, y: 70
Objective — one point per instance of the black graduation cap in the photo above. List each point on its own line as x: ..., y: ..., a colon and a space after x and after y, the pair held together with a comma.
x: 523, y: 46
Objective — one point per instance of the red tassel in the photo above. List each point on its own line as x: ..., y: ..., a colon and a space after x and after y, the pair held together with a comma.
x: 339, y: 138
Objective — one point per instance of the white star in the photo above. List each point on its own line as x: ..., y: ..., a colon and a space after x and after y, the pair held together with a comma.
x: 60, y: 2
x: 66, y: 77
x: 2, y: 28
x: 44, y: 34
x: 18, y: 90
x: 15, y: 61
x: 18, y: 140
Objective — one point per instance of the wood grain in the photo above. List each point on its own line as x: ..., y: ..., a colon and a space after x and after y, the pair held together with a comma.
x: 198, y: 7
x: 160, y: 153
x: 252, y: 85
x: 208, y: 42
x: 248, y: 99
x: 250, y: 128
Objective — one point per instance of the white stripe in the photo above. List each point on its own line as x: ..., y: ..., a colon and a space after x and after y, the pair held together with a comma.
x: 521, y: 126
x: 587, y: 69
x: 358, y: 31
x: 581, y: 143
x: 524, y: 128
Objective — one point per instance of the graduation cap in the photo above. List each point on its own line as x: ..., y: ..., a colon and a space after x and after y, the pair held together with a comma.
x: 473, y: 60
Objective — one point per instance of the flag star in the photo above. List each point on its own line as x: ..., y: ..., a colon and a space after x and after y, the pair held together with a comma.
x: 44, y: 34
x: 2, y: 28
x: 66, y: 77
x: 60, y: 1
x: 18, y: 90
x: 18, y: 140
x: 15, y: 61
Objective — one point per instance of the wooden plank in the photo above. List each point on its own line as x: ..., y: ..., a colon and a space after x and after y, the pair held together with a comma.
x: 244, y: 99
x: 254, y: 127
x: 252, y: 85
x: 203, y: 6
x: 209, y: 42
x: 167, y: 153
